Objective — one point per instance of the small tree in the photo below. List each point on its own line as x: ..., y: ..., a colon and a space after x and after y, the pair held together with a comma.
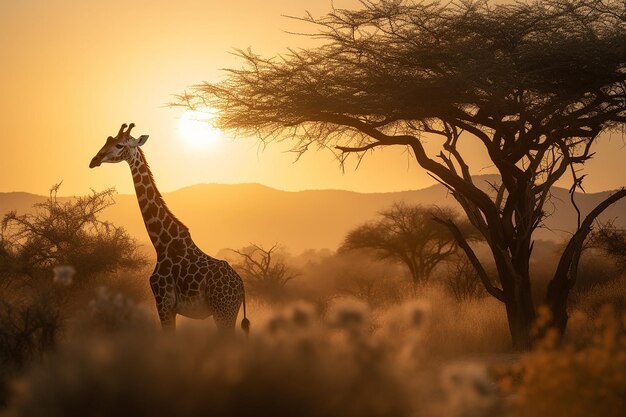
x: 407, y: 234
x: 264, y: 271
x: 462, y: 280
x: 66, y: 233
x: 31, y: 245
x: 531, y: 86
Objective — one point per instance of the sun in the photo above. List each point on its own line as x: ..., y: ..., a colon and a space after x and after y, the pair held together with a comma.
x: 197, y: 130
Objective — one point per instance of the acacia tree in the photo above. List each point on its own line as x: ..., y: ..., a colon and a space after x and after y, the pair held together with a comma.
x: 65, y: 233
x: 531, y: 85
x: 264, y: 270
x: 408, y: 234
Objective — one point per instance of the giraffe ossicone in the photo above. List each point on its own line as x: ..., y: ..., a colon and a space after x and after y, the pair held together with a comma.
x: 185, y: 280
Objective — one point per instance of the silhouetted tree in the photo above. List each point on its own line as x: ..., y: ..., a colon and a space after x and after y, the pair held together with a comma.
x: 264, y: 271
x: 407, y: 234
x: 57, y: 233
x: 6, y: 263
x: 66, y: 233
x: 462, y: 280
x: 531, y: 85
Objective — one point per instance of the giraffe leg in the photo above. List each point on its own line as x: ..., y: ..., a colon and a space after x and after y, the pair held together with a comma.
x: 167, y: 315
x: 224, y: 296
x: 165, y: 302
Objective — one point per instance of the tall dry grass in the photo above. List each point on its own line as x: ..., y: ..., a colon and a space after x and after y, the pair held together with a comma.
x: 397, y: 350
x: 591, y: 300
x: 427, y: 356
x: 583, y: 377
x: 345, y: 361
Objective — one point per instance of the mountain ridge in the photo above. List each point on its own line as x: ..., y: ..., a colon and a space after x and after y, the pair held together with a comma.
x: 233, y: 215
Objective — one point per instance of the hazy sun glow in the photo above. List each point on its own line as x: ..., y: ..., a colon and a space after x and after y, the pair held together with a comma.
x: 196, y: 129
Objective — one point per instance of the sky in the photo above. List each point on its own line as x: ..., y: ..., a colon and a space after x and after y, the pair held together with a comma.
x: 72, y: 71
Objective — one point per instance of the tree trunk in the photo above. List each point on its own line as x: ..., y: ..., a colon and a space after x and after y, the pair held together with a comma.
x: 520, y: 313
x: 417, y: 275
x: 412, y: 271
x: 567, y: 270
x: 558, y: 292
x: 515, y: 278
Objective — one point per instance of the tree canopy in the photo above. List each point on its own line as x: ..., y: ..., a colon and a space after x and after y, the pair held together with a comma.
x: 530, y: 84
x: 66, y: 233
x: 399, y: 67
x: 410, y: 235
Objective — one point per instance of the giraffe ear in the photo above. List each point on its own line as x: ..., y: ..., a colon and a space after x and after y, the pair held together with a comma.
x: 142, y: 139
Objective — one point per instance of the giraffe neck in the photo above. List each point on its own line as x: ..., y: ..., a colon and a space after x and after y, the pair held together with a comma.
x: 162, y: 226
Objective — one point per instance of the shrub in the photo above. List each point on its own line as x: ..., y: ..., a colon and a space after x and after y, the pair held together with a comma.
x: 265, y: 272
x: 585, y: 378
x: 66, y: 233
x: 462, y: 280
x: 29, y: 327
x: 110, y: 311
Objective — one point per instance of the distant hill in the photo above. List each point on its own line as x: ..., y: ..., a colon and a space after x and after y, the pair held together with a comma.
x: 221, y: 216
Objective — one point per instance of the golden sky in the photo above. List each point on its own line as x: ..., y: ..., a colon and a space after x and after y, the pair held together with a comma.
x: 74, y: 70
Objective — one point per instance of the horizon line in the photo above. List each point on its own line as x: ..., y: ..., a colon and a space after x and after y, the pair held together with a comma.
x: 295, y: 191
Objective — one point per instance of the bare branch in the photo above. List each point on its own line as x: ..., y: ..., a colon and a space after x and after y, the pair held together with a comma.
x: 462, y: 242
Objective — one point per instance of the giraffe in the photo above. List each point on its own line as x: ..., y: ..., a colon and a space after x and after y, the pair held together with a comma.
x: 185, y: 280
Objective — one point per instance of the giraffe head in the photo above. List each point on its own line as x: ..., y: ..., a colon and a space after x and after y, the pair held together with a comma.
x: 118, y: 148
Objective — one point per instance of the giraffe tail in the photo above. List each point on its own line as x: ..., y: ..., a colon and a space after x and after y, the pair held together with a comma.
x: 245, y: 323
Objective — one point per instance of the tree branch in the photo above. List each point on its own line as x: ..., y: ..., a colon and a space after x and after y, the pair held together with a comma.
x: 462, y: 242
x: 567, y: 267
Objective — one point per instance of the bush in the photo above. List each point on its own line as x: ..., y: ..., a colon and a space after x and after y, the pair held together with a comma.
x: 585, y: 378
x: 265, y: 272
x: 110, y: 311
x: 66, y: 233
x: 462, y: 280
x: 51, y: 259
x: 29, y: 327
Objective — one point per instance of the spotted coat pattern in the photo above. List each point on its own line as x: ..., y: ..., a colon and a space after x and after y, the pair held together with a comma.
x: 185, y: 281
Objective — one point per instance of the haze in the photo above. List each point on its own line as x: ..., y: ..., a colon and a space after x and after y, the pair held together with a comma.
x: 73, y: 71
